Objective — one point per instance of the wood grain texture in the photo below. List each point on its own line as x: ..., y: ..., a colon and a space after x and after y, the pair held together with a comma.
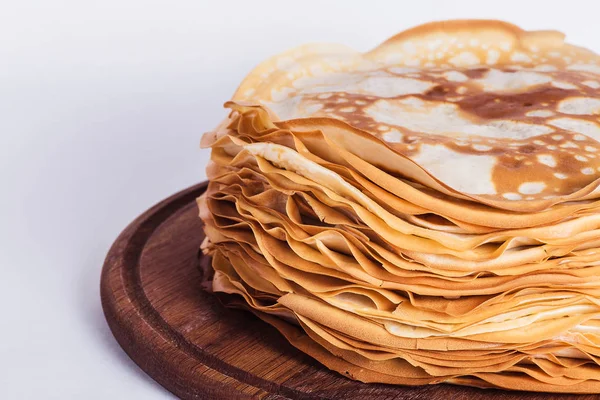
x: 198, y: 349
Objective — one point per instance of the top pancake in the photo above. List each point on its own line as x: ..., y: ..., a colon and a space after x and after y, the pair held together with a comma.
x: 488, y: 110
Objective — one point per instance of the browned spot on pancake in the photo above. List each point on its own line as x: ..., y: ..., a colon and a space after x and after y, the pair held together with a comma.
x: 476, y: 73
x: 510, y: 163
x: 527, y: 149
x: 438, y: 91
x: 495, y: 105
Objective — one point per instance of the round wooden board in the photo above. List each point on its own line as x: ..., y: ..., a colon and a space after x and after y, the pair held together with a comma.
x: 198, y: 349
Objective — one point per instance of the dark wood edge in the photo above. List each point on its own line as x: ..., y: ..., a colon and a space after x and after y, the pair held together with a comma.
x: 144, y: 335
x: 138, y: 328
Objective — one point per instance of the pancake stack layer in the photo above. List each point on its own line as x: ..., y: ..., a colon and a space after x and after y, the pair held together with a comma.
x: 425, y: 212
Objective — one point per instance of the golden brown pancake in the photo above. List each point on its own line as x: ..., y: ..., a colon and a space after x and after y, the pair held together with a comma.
x: 424, y: 212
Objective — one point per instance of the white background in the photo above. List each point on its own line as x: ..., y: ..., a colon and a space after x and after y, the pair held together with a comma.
x: 102, y: 105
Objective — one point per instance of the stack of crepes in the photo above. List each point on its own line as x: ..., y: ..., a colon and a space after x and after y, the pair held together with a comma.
x: 425, y: 212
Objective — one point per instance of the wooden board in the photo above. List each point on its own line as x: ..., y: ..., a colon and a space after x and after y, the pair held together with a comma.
x: 196, y: 348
